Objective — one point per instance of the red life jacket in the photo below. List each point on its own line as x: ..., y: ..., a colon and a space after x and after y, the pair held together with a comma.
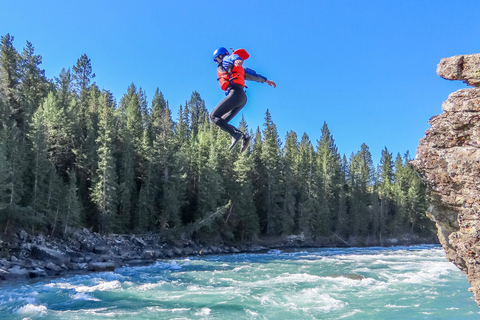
x: 238, y: 76
x: 238, y: 73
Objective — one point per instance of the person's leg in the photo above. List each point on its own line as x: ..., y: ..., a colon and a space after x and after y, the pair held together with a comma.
x: 227, y: 109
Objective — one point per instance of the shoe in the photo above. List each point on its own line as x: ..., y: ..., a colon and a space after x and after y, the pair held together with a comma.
x: 235, y: 139
x: 245, y: 140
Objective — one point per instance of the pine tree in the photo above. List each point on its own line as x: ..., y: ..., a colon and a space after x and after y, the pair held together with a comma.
x: 72, y: 208
x: 42, y: 168
x: 197, y: 112
x: 82, y: 74
x: 34, y: 86
x: 104, y: 193
x: 131, y: 133
x: 361, y: 179
x: 247, y: 224
x: 64, y: 88
x: 400, y: 193
x: 59, y: 135
x: 146, y: 206
x: 259, y: 181
x: 15, y: 151
x: 167, y: 171
x: 307, y: 196
x: 343, y: 217
x: 272, y: 160
x: 328, y: 169
x: 385, y: 192
x: 10, y: 80
x: 4, y: 185
x: 290, y: 182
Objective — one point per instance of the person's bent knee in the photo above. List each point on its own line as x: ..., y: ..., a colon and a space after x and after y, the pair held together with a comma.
x: 214, y: 118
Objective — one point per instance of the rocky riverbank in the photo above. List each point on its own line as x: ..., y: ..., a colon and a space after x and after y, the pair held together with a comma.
x: 25, y: 257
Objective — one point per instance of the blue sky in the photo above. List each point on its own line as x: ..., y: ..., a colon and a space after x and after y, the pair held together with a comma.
x: 367, y: 68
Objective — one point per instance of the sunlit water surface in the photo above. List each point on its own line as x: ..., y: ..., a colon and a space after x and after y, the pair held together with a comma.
x: 355, y: 283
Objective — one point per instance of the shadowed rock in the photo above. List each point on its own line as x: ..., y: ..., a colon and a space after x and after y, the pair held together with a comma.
x: 448, y: 158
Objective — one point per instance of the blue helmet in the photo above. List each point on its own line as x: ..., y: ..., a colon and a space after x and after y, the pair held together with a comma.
x: 219, y: 51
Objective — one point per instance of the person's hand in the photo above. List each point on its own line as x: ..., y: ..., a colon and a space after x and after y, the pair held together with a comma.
x: 238, y: 63
x: 271, y: 83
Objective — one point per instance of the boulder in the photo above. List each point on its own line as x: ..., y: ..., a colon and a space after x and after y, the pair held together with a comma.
x: 101, y: 266
x: 461, y: 67
x: 46, y: 254
x: 17, y: 272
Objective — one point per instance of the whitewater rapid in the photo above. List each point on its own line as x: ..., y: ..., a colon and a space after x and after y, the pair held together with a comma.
x: 355, y: 283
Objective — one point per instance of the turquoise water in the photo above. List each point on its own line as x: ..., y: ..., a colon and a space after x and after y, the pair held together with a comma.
x: 354, y: 283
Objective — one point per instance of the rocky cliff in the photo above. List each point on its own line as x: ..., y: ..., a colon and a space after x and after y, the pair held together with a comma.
x: 448, y: 157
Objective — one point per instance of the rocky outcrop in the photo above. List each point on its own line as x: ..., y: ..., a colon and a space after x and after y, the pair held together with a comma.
x: 461, y: 67
x: 448, y: 158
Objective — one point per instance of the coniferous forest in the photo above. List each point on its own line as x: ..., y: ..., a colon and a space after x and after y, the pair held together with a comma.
x: 72, y: 156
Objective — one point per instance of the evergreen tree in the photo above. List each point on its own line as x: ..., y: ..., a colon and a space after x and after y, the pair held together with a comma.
x: 247, y: 226
x: 82, y: 74
x: 400, y: 193
x: 64, y: 89
x: 385, y: 193
x: 271, y: 158
x: 167, y: 176
x: 15, y: 175
x: 343, y: 218
x: 34, y: 86
x: 307, y: 198
x: 361, y: 180
x: 104, y: 193
x: 197, y: 112
x: 10, y: 80
x: 290, y: 182
x: 328, y: 169
x: 4, y: 185
x: 42, y: 168
x: 72, y: 208
x: 259, y: 181
x: 59, y: 135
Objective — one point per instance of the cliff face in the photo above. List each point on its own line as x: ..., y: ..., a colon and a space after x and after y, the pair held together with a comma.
x: 449, y: 159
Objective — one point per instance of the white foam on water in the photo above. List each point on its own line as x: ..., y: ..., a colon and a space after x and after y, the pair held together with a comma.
x: 251, y: 313
x: 397, y: 306
x: 314, y: 299
x: 149, y: 286
x: 350, y: 314
x: 84, y: 296
x: 31, y: 309
x: 294, y: 278
x: 102, y: 286
x: 203, y: 312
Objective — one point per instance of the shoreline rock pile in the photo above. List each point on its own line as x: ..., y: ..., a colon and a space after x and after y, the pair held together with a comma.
x: 86, y: 251
x: 25, y: 257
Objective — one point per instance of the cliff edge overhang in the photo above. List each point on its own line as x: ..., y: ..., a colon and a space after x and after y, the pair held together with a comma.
x: 448, y: 158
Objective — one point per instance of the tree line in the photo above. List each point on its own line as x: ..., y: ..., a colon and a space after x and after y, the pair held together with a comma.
x: 71, y: 156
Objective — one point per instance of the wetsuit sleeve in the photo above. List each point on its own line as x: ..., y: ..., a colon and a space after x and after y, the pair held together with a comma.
x: 253, y: 76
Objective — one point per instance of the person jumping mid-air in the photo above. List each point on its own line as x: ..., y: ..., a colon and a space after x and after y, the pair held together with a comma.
x: 232, y: 76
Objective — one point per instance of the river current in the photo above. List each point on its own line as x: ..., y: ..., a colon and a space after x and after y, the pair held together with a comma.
x: 354, y: 283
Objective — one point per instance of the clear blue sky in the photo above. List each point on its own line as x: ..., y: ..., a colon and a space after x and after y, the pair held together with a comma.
x: 367, y: 68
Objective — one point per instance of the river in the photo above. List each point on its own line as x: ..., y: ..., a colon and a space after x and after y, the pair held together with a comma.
x: 338, y: 283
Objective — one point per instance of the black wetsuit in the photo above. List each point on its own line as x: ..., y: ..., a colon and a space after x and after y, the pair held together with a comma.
x: 228, y: 108
x: 235, y: 100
